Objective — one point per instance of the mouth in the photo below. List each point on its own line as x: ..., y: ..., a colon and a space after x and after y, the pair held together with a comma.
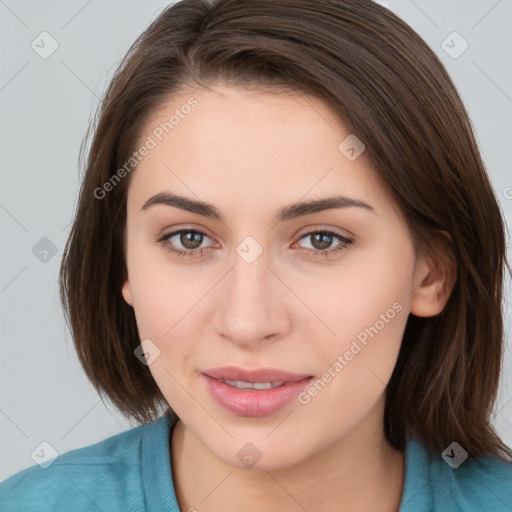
x: 257, y: 376
x: 254, y: 392
x: 240, y: 384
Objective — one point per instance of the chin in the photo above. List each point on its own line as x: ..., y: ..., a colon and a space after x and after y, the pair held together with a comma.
x: 260, y: 455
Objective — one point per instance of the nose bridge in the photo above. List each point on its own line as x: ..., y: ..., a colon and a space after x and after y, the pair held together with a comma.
x: 248, y: 282
x: 250, y: 310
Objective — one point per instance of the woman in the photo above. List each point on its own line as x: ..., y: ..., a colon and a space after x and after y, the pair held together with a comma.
x: 287, y: 238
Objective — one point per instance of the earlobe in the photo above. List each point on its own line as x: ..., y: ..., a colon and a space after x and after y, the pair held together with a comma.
x: 127, y: 292
x: 431, y: 295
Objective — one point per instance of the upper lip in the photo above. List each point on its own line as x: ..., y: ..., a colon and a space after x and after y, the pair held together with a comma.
x: 257, y: 375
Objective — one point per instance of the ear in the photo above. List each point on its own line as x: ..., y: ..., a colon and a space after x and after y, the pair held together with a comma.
x: 434, y: 283
x: 127, y: 292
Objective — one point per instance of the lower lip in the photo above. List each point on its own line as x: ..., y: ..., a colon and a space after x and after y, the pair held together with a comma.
x: 254, y: 402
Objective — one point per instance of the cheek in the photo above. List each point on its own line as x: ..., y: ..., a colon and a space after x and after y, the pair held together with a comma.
x: 367, y: 340
x: 164, y: 310
x: 356, y: 364
x: 161, y: 292
x: 164, y: 305
x: 363, y: 311
x: 168, y: 305
x: 353, y: 297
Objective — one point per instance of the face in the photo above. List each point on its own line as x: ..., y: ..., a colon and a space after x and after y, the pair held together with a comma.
x: 322, y: 294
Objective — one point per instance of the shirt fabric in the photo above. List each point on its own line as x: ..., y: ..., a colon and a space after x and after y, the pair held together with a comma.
x: 131, y: 471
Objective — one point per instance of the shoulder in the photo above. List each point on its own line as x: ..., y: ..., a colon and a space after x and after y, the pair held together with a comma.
x: 450, y: 481
x: 484, y: 484
x: 104, y: 475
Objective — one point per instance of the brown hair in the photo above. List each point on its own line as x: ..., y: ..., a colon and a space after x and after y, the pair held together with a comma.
x: 391, y: 90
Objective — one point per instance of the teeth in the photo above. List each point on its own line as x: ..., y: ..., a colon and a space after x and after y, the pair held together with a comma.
x: 240, y: 384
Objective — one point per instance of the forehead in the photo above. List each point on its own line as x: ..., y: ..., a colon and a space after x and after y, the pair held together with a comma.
x: 250, y: 146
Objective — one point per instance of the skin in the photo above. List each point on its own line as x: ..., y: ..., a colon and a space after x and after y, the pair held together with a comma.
x: 249, y: 154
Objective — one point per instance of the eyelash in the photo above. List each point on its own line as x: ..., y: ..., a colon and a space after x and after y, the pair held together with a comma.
x: 314, y: 252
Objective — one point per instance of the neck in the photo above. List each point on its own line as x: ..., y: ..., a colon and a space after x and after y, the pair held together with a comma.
x: 362, y: 471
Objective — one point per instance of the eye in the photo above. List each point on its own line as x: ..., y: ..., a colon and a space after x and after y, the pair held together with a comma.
x: 190, y: 239
x: 321, y: 241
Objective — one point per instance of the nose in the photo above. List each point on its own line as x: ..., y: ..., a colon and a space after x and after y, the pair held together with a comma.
x: 252, y: 305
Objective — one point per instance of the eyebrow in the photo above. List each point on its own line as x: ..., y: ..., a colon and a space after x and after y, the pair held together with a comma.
x: 289, y: 212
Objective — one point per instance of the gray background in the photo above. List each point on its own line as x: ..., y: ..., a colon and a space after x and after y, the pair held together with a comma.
x: 45, y: 108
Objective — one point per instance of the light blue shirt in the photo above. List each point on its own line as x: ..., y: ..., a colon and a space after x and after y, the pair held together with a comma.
x: 131, y: 471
